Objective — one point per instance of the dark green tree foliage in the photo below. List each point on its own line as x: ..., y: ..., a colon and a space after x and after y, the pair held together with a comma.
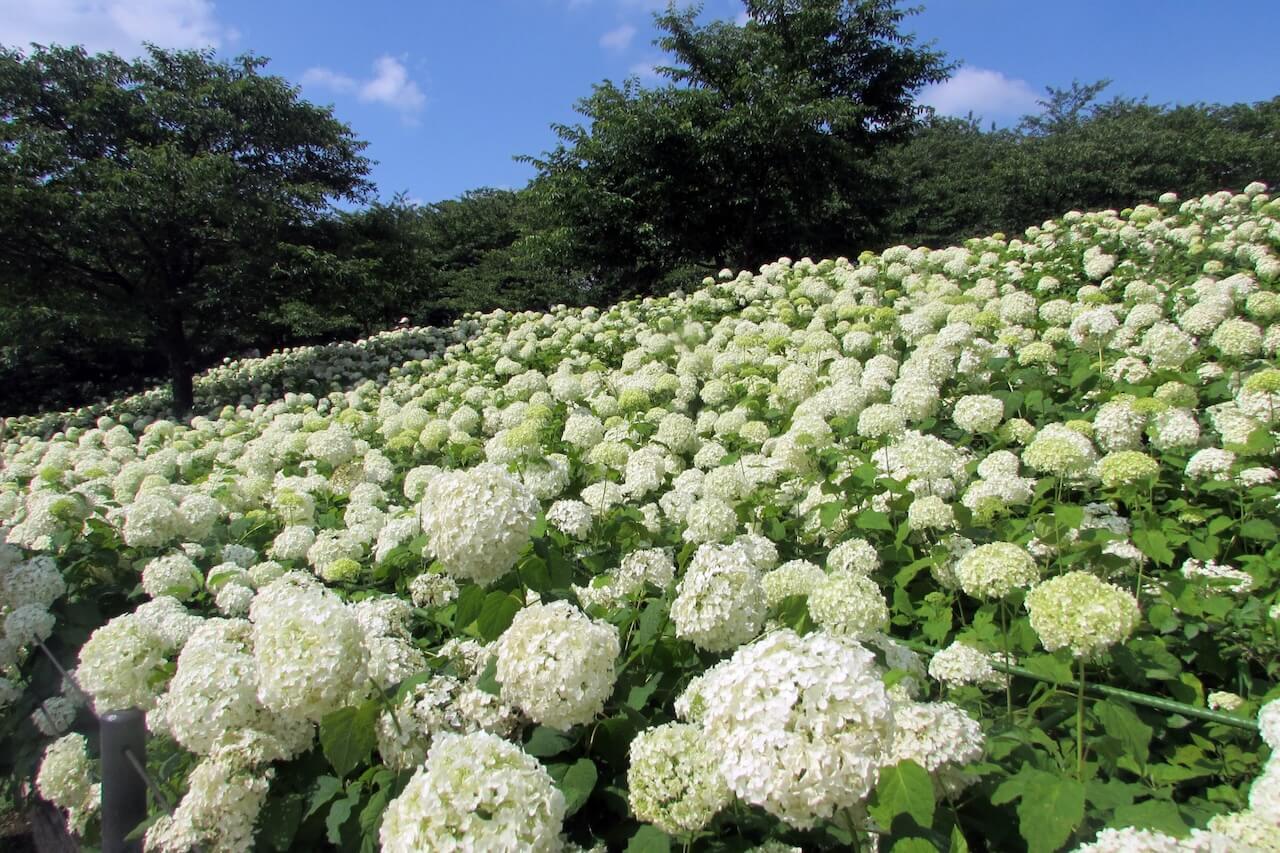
x: 763, y: 143
x: 956, y: 181
x: 134, y: 195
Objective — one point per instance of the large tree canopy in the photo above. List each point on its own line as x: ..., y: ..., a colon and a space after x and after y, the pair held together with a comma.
x: 762, y: 143
x: 133, y: 194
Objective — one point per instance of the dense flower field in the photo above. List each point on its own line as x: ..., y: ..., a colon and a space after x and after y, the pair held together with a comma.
x: 969, y: 549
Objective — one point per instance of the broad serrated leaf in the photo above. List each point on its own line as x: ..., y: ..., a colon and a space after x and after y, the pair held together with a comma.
x: 577, y: 784
x: 1050, y: 808
x: 488, y: 680
x: 1258, y: 528
x: 347, y: 736
x: 544, y: 742
x: 495, y: 617
x: 339, y: 814
x: 1160, y: 815
x: 869, y: 519
x: 470, y: 606
x: 904, y: 788
x: 649, y: 839
x: 1123, y: 724
x: 1154, y: 545
x: 326, y: 788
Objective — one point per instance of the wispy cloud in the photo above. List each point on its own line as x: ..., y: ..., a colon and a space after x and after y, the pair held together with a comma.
x: 390, y: 86
x: 644, y: 70
x: 618, y: 39
x: 981, y: 91
x: 117, y: 25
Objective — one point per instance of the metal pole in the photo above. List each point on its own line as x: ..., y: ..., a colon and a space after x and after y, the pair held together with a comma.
x: 124, y: 792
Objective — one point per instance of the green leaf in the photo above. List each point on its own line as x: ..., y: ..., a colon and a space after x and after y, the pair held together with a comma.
x: 488, y: 680
x: 545, y: 742
x: 649, y: 839
x: 278, y: 821
x: 470, y: 606
x: 347, y: 736
x: 325, y: 790
x: 1160, y: 815
x: 869, y: 519
x: 1258, y: 528
x: 1154, y: 545
x: 958, y: 842
x: 371, y: 814
x: 1050, y: 807
x: 578, y: 783
x: 495, y: 617
x: 1120, y: 722
x: 913, y: 845
x: 829, y: 512
x: 1068, y: 516
x: 904, y: 788
x: 339, y: 814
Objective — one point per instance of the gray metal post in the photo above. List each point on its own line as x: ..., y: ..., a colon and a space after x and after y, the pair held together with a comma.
x: 124, y: 791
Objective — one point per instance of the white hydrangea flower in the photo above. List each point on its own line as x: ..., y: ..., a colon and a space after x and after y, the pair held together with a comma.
x: 801, y: 725
x: 477, y: 521
x: 993, y: 571
x: 849, y: 604
x: 307, y: 647
x: 480, y: 788
x: 719, y: 602
x: 1078, y: 612
x: 556, y: 664
x: 673, y: 779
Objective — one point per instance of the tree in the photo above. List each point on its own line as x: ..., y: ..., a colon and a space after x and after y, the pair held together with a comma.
x: 763, y: 142
x: 137, y: 192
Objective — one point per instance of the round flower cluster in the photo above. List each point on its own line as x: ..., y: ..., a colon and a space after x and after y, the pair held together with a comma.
x: 673, y: 780
x: 960, y: 664
x: 940, y: 737
x: 1060, y: 451
x: 794, y: 577
x: 477, y: 521
x: 1076, y: 611
x: 219, y: 811
x: 719, y: 602
x: 308, y: 649
x: 993, y: 571
x: 122, y: 662
x: 853, y: 555
x: 212, y: 707
x: 800, y: 725
x: 475, y: 792
x: 1127, y: 468
x: 849, y: 604
x: 172, y: 574
x: 556, y: 664
x: 978, y: 413
x: 572, y: 518
x: 66, y: 779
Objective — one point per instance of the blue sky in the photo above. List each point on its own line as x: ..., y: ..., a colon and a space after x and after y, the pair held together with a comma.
x: 447, y: 91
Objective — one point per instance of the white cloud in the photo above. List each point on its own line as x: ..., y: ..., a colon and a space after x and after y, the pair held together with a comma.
x: 118, y: 25
x: 327, y: 79
x: 390, y: 85
x: 618, y: 39
x: 644, y: 70
x: 981, y: 91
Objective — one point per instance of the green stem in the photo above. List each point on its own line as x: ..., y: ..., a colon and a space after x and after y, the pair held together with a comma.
x: 1080, y: 725
x: 1008, y: 682
x: 1108, y: 692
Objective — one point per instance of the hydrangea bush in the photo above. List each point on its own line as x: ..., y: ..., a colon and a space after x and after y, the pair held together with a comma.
x: 972, y: 548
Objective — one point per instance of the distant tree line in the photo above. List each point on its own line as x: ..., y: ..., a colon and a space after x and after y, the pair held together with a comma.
x: 160, y: 214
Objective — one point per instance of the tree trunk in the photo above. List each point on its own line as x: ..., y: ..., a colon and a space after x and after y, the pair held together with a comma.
x: 175, y: 349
